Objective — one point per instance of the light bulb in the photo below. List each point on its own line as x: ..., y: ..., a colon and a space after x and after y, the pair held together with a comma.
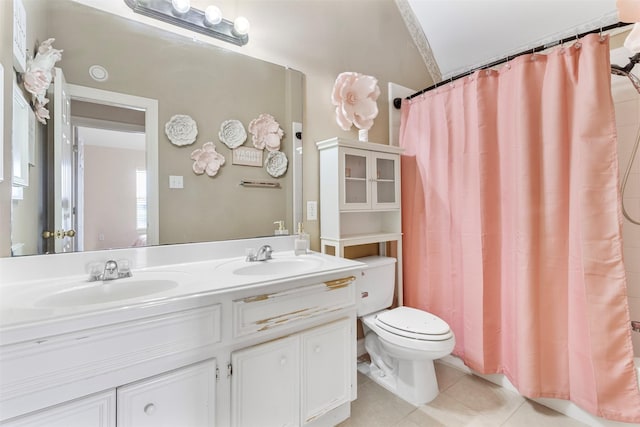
x: 241, y: 25
x: 181, y: 6
x: 212, y: 15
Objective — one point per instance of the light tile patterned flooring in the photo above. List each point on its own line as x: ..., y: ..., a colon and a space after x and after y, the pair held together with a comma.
x: 464, y: 400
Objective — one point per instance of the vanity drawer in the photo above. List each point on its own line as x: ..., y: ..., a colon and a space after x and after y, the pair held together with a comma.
x: 58, y: 368
x: 266, y: 311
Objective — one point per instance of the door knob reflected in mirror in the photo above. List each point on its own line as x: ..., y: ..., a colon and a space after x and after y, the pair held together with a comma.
x: 60, y: 234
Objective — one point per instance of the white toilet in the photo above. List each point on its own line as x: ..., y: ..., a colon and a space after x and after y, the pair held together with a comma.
x: 402, y: 342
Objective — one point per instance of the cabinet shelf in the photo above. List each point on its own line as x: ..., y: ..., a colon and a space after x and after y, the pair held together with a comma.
x: 363, y: 238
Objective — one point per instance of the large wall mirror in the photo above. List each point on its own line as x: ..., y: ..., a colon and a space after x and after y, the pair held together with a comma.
x: 119, y: 161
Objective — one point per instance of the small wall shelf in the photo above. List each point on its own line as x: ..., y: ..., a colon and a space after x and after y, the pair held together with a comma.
x: 360, y: 197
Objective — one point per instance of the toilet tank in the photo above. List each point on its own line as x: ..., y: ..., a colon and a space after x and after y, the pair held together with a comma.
x: 376, y: 283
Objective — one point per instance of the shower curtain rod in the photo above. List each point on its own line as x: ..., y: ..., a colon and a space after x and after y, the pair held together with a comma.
x: 398, y: 101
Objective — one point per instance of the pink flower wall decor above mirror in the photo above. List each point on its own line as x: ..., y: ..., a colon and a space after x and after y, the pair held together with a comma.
x: 355, y: 97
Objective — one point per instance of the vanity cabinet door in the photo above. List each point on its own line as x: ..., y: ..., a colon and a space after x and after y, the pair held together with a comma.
x: 184, y: 397
x: 265, y: 384
x: 98, y: 410
x: 327, y: 368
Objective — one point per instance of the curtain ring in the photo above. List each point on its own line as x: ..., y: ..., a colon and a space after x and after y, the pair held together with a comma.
x: 507, y: 65
x: 533, y: 54
x: 602, y: 37
x: 577, y: 44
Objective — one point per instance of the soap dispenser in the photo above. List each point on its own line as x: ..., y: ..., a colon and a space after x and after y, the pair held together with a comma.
x: 301, y: 243
x: 280, y: 231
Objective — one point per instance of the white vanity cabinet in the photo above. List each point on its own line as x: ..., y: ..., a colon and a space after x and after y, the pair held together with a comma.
x: 184, y: 397
x: 294, y: 380
x: 277, y: 352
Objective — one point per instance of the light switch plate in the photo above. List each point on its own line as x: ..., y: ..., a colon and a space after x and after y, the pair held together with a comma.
x: 176, y: 181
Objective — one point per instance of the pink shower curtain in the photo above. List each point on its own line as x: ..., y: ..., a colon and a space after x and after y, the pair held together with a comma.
x: 512, y: 226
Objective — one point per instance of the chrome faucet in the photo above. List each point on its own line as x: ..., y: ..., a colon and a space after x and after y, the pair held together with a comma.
x: 263, y: 254
x: 110, y: 272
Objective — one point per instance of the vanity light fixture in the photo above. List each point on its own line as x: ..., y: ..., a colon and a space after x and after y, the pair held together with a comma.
x: 208, y: 22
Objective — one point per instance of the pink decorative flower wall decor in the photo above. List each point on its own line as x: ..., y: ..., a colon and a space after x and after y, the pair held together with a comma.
x: 266, y: 132
x: 39, y: 75
x: 355, y: 96
x: 207, y: 159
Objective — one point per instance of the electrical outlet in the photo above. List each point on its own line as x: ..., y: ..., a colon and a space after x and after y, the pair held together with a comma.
x: 312, y: 210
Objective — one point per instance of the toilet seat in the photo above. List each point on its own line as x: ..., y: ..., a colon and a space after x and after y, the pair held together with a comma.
x: 413, y: 323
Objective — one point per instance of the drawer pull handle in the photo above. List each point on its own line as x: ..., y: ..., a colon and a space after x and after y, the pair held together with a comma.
x: 340, y: 283
x: 364, y: 294
x: 150, y: 409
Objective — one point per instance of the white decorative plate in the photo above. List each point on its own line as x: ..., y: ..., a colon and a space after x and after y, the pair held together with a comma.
x: 276, y: 163
x: 181, y: 130
x: 232, y: 133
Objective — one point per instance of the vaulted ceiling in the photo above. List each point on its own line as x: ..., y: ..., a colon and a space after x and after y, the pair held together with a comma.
x: 465, y: 34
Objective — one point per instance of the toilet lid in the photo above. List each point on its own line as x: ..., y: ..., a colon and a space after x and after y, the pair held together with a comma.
x: 414, y: 323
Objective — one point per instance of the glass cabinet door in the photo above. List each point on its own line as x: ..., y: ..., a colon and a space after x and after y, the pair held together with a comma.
x: 385, y: 181
x: 355, y: 179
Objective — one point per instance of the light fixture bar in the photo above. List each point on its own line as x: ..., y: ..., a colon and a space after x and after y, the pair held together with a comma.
x: 193, y: 20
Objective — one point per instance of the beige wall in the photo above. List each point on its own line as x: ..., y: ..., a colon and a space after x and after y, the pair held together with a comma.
x: 321, y: 38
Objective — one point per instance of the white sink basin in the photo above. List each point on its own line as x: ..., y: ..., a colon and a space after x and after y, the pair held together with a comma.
x: 88, y: 293
x: 276, y: 266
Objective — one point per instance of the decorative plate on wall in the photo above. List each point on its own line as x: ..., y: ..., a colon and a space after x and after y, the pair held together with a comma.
x: 181, y: 130
x: 276, y: 163
x: 232, y: 133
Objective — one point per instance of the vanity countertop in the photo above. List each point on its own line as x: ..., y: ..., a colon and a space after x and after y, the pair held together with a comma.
x: 33, y: 309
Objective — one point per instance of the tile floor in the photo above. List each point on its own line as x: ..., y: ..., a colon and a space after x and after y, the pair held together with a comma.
x: 464, y: 400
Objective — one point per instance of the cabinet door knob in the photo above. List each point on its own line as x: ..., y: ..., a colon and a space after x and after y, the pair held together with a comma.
x: 283, y: 361
x: 149, y: 409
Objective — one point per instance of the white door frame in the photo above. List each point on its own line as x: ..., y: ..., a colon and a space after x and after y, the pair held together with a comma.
x: 150, y: 107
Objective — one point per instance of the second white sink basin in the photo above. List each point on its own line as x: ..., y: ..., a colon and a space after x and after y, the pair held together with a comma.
x: 88, y: 293
x: 275, y: 266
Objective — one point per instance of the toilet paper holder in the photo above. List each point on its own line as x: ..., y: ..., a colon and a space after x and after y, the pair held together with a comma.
x: 635, y: 325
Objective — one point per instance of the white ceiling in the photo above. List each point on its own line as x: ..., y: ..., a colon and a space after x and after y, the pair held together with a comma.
x: 466, y: 34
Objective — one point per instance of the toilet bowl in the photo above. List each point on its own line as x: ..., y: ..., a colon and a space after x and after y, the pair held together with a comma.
x: 402, y: 342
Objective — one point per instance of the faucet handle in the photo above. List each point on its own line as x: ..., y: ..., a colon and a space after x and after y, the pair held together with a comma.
x: 250, y: 254
x: 95, y: 271
x: 124, y: 268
